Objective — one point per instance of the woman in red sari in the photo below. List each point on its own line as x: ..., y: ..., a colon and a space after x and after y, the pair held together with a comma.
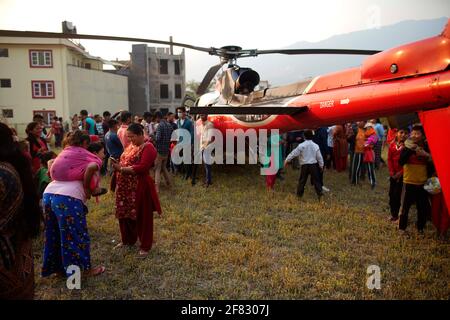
x: 136, y: 197
x: 38, y: 145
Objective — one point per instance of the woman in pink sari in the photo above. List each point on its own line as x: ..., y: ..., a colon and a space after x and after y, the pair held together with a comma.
x: 67, y: 240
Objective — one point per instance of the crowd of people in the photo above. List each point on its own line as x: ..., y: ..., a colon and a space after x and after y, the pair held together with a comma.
x: 360, y: 144
x: 43, y: 187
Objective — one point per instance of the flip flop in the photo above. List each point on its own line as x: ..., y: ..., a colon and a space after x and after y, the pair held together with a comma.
x: 118, y: 246
x: 142, y: 254
x: 96, y: 271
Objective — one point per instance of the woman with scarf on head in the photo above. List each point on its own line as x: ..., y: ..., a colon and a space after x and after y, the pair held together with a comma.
x: 20, y: 218
x: 340, y: 148
x: 67, y: 240
x: 38, y: 145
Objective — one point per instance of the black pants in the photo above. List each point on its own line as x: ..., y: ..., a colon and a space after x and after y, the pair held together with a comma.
x: 352, y: 155
x: 356, y: 166
x: 329, y: 161
x: 305, y: 171
x: 320, y: 176
x: 370, y: 167
x: 414, y: 194
x: 187, y: 168
x: 395, y: 196
x: 208, y: 167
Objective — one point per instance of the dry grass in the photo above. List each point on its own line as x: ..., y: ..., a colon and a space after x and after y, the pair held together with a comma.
x: 235, y: 241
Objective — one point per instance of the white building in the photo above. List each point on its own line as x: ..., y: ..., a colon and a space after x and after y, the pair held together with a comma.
x: 54, y: 77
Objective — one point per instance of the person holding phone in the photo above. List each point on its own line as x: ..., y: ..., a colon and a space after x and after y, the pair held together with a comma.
x: 136, y: 196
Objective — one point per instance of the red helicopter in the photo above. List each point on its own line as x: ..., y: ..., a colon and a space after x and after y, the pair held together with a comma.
x: 412, y: 78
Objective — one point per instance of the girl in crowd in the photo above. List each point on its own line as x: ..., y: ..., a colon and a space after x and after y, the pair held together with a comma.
x: 38, y: 145
x: 42, y: 176
x: 340, y: 148
x: 396, y: 173
x: 369, y: 153
x: 67, y: 240
x: 275, y: 160
x: 19, y: 220
x: 98, y: 149
x: 76, y: 124
x: 136, y: 197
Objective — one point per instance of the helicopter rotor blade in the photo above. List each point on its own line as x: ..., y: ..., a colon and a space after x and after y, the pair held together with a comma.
x: 38, y: 34
x: 208, y: 78
x: 316, y: 51
x: 211, y: 50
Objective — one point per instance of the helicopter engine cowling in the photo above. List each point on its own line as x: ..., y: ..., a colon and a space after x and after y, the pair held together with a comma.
x: 245, y: 80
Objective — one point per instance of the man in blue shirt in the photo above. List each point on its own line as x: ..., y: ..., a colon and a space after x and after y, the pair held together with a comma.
x: 112, y: 141
x: 88, y: 123
x: 184, y: 122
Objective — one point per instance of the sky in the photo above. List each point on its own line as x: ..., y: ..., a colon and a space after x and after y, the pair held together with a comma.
x: 262, y: 24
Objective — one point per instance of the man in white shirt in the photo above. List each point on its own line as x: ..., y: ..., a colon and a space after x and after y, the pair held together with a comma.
x: 311, y: 162
x: 149, y: 133
x: 330, y: 143
x: 203, y: 130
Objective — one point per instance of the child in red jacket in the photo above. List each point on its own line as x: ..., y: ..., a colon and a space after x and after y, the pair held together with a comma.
x: 396, y: 173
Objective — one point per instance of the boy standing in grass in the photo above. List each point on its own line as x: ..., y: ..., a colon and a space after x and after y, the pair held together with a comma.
x: 396, y: 173
x: 415, y: 158
x: 311, y: 162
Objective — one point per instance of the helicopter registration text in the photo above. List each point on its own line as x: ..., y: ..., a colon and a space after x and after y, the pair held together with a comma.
x: 327, y: 104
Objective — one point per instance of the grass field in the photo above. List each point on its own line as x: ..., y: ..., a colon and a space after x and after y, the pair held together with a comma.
x: 236, y: 241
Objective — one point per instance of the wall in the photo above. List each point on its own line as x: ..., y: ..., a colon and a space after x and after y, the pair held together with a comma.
x: 96, y: 91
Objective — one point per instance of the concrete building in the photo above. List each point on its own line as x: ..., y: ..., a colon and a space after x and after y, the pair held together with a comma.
x: 54, y: 77
x: 157, y: 79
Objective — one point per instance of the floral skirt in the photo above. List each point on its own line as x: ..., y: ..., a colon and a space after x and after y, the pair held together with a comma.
x: 67, y: 240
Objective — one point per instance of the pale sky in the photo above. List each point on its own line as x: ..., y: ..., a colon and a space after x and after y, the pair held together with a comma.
x: 262, y: 24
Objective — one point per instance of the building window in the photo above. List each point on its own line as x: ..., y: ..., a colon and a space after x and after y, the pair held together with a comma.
x: 4, y: 52
x: 5, y: 83
x: 41, y: 59
x: 177, y: 66
x: 177, y: 91
x: 7, y: 113
x: 47, y: 114
x: 163, y: 66
x: 87, y: 65
x: 43, y: 89
x: 164, y: 91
